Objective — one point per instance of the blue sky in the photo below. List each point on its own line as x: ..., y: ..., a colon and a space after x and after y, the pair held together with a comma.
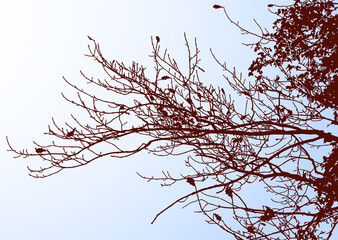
x: 41, y: 41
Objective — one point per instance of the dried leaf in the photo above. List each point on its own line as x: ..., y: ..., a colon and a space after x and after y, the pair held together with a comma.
x: 218, y: 217
x: 229, y: 191
x: 71, y: 133
x: 268, y: 214
x: 191, y: 181
x: 40, y: 150
x: 251, y: 229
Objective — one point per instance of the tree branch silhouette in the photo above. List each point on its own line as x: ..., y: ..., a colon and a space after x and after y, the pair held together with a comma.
x: 265, y: 135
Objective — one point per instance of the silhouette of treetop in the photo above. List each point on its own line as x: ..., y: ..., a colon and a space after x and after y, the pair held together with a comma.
x: 275, y: 133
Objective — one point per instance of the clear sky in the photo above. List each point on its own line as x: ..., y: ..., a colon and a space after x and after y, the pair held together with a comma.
x: 41, y: 41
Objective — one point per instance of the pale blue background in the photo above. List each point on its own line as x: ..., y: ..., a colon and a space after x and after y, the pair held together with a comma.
x: 43, y: 40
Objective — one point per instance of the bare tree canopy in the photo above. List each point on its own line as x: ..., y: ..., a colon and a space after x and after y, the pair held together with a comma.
x: 264, y: 131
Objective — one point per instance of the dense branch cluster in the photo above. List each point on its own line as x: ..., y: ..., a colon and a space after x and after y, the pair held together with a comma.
x: 266, y: 136
x: 305, y: 48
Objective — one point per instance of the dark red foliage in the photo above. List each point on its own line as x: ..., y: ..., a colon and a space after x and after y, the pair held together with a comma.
x: 305, y: 45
